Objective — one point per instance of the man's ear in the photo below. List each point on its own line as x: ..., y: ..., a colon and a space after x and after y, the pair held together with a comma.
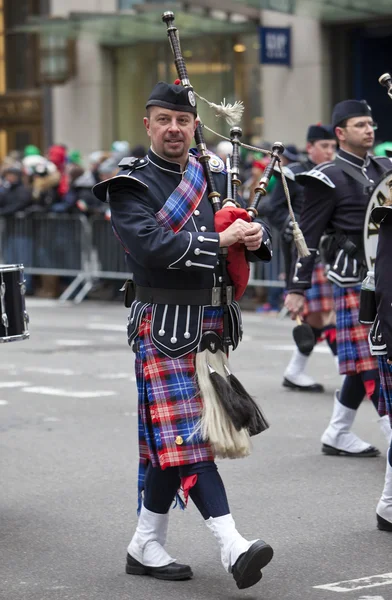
x: 197, y: 122
x: 146, y: 122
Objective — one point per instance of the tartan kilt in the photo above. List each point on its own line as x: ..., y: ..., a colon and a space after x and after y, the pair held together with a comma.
x: 319, y: 298
x: 169, y: 402
x: 351, y: 336
x: 385, y: 400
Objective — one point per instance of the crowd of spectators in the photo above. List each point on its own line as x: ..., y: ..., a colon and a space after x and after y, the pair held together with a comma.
x: 59, y: 182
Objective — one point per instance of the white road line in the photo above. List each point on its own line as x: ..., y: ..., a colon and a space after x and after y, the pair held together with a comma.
x: 50, y: 371
x: 13, y: 384
x: 74, y: 342
x: 291, y: 347
x: 351, y: 585
x: 107, y: 327
x: 48, y: 391
x: 117, y: 376
x: 3, y: 402
x: 371, y: 598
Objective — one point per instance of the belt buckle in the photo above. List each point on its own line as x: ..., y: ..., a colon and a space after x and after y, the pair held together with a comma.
x: 216, y: 296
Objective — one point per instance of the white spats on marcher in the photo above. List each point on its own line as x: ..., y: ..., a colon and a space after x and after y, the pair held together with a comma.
x: 338, y: 435
x: 384, y: 506
x: 385, y: 426
x: 295, y: 370
x: 230, y: 541
x: 150, y: 536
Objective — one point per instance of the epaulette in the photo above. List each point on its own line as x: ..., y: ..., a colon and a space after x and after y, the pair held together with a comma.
x: 315, y: 174
x: 131, y: 162
x: 287, y: 172
x: 127, y: 165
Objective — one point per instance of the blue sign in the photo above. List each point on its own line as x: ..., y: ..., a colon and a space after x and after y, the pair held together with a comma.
x: 275, y: 46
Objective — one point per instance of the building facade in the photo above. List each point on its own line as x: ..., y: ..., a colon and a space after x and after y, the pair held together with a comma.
x: 338, y: 50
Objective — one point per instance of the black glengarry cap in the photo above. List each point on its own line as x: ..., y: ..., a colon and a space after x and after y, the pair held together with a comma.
x: 173, y: 97
x: 320, y: 132
x: 348, y: 109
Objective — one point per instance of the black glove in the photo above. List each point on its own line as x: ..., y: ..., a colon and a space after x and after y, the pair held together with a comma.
x: 287, y: 230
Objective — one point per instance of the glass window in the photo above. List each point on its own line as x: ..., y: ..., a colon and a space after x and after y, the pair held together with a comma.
x: 219, y: 67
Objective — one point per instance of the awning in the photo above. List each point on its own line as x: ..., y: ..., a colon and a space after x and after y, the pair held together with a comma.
x: 327, y: 10
x: 143, y: 23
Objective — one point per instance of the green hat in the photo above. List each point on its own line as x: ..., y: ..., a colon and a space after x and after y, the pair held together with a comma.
x: 384, y: 149
x: 74, y: 156
x: 31, y: 150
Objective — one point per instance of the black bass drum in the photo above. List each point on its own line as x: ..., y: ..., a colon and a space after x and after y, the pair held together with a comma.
x: 14, y: 318
x: 380, y: 194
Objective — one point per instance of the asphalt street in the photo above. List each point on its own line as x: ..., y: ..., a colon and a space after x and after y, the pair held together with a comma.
x: 68, y: 464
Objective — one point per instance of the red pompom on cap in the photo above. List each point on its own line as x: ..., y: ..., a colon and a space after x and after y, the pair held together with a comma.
x: 177, y: 82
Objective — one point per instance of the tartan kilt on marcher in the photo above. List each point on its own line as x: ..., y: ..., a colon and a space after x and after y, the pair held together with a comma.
x: 385, y: 400
x: 169, y: 402
x: 351, y: 336
x: 319, y: 298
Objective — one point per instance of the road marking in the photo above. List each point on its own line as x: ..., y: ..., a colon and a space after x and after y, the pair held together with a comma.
x: 351, y: 585
x: 3, y: 402
x: 48, y: 391
x: 371, y: 598
x: 13, y: 384
x: 107, y: 327
x: 117, y: 376
x: 50, y: 371
x: 74, y: 342
x: 291, y: 347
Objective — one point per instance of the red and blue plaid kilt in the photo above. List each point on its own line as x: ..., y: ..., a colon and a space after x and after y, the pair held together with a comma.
x: 351, y: 337
x: 319, y: 298
x: 385, y: 400
x: 170, y: 404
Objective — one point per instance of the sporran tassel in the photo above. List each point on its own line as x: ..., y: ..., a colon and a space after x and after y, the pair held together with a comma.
x: 215, y: 424
x: 258, y: 423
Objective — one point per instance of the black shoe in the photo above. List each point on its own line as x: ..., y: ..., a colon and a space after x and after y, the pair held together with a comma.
x: 171, y: 572
x: 316, y: 388
x: 331, y: 451
x: 247, y: 568
x: 383, y: 524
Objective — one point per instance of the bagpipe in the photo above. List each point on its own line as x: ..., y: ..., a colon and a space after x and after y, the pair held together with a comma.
x: 230, y: 415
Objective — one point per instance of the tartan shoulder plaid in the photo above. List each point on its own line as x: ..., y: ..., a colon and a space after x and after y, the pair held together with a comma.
x: 184, y: 200
x: 169, y: 402
x: 351, y: 337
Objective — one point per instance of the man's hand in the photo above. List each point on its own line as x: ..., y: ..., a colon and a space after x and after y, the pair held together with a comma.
x: 294, y: 304
x: 234, y: 233
x: 253, y: 237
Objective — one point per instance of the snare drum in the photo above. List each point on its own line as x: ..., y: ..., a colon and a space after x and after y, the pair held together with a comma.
x: 14, y: 318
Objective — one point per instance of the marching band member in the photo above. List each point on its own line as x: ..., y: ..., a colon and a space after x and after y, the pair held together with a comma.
x: 318, y: 312
x: 165, y: 222
x: 336, y: 197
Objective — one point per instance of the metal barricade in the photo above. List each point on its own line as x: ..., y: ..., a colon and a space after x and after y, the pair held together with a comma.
x: 87, y: 250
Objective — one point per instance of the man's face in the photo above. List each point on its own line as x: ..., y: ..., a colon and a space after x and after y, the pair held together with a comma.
x: 321, y: 150
x: 171, y: 132
x: 358, y: 133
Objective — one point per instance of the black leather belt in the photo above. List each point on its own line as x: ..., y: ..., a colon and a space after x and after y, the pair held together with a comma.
x: 204, y: 297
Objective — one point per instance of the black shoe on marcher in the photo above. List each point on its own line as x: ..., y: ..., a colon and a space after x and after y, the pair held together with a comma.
x: 367, y: 453
x: 247, y: 568
x: 170, y: 572
x: 315, y: 388
x: 383, y: 524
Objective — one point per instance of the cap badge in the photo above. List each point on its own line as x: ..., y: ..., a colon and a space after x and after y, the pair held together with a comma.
x: 191, y: 98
